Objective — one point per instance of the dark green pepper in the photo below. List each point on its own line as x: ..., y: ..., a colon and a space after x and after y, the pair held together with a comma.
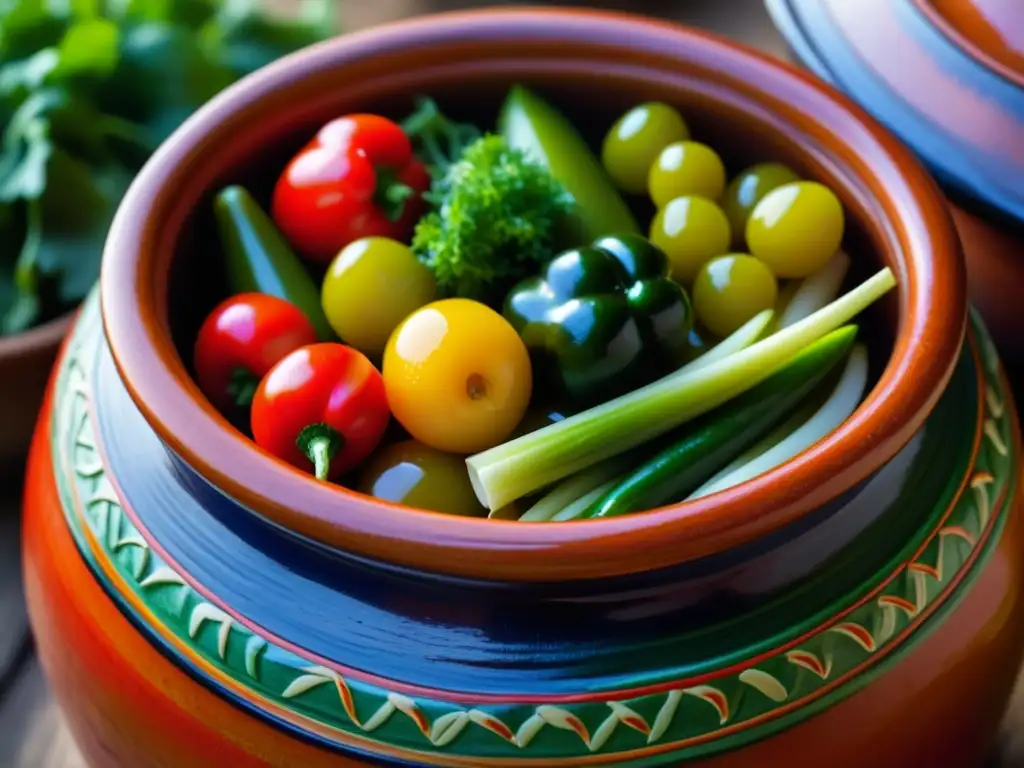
x: 259, y: 259
x: 602, y: 320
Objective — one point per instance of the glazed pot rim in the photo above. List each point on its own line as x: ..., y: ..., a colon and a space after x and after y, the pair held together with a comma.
x: 48, y: 334
x: 968, y: 46
x: 925, y: 258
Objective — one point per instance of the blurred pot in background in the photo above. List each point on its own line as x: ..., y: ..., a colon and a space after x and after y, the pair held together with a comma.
x: 947, y: 76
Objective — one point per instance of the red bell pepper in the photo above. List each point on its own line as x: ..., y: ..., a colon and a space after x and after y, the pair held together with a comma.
x: 323, y: 404
x: 357, y: 178
x: 240, y: 340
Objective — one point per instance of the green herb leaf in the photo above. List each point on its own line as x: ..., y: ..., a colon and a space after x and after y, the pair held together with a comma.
x: 88, y: 90
x: 89, y: 48
x: 26, y: 27
x: 19, y: 77
x: 246, y: 40
x: 190, y: 13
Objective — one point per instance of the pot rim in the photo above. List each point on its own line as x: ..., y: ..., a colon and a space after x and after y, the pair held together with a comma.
x: 925, y: 257
x: 48, y: 335
x: 969, y: 46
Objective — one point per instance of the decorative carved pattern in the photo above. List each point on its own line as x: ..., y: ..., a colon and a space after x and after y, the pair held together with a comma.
x: 315, y: 696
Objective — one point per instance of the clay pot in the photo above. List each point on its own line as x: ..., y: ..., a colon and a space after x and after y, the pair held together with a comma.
x: 197, y: 602
x: 25, y: 363
x: 948, y: 79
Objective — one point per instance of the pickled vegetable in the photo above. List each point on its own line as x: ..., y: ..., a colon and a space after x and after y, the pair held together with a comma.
x: 691, y: 231
x: 417, y: 475
x: 458, y: 376
x: 533, y: 126
x: 746, y: 190
x: 371, y: 287
x: 730, y: 290
x: 635, y: 140
x: 686, y: 168
x: 520, y: 467
x: 796, y: 228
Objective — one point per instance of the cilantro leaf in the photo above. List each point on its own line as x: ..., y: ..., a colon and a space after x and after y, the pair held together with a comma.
x: 88, y: 90
x: 89, y: 48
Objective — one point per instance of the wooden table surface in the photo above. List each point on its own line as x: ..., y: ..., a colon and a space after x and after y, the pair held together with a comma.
x: 32, y: 734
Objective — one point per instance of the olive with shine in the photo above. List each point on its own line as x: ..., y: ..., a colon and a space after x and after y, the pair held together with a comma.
x: 796, y: 228
x: 746, y: 190
x: 730, y: 290
x: 686, y: 168
x: 632, y: 144
x: 419, y: 476
x: 690, y: 230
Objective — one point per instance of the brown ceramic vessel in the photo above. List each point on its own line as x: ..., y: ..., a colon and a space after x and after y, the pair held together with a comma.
x: 197, y: 602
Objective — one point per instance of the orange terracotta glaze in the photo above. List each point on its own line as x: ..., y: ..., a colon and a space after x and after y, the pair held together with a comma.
x: 127, y: 705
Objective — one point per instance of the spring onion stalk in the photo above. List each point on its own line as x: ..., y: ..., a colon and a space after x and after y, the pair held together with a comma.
x: 514, y: 469
x: 816, y: 291
x: 573, y: 488
x: 787, y: 290
x: 580, y: 505
x: 834, y: 411
x: 739, y: 339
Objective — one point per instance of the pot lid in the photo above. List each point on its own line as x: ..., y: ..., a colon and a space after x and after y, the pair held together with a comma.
x: 947, y: 76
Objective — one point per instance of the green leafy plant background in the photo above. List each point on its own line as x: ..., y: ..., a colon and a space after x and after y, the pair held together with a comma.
x: 88, y: 89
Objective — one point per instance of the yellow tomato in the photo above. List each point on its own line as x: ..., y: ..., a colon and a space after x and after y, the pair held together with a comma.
x: 458, y: 376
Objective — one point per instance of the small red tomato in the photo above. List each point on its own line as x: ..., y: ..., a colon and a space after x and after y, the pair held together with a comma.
x: 323, y: 405
x: 242, y: 339
x: 357, y: 178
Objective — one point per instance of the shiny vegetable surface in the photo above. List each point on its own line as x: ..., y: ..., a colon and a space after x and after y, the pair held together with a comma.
x: 800, y: 431
x: 691, y: 230
x: 746, y: 190
x: 521, y: 466
x: 458, y: 376
x: 535, y: 127
x: 321, y: 408
x: 796, y: 228
x: 417, y: 475
x: 357, y: 178
x: 497, y: 218
x: 708, y: 445
x: 259, y: 260
x: 602, y: 319
x: 372, y: 285
x: 731, y: 289
x: 240, y: 340
x: 685, y: 168
x: 635, y: 140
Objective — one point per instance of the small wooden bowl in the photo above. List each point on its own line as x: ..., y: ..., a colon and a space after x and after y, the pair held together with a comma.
x: 25, y: 363
x: 197, y: 602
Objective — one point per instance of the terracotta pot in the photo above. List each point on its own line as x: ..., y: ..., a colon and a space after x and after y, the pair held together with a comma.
x: 947, y: 76
x: 25, y: 363
x: 197, y: 602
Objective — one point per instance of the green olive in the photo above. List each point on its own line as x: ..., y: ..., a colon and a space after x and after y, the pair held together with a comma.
x: 371, y: 287
x: 686, y: 168
x: 417, y: 475
x: 634, y: 141
x: 746, y: 190
x: 690, y: 230
x: 796, y: 228
x: 730, y: 290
